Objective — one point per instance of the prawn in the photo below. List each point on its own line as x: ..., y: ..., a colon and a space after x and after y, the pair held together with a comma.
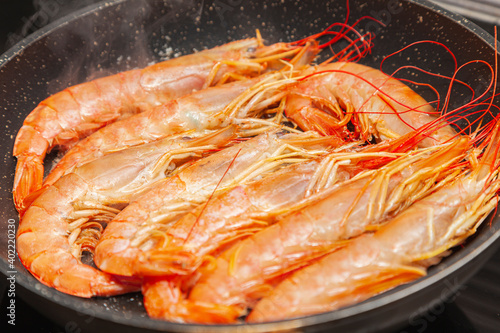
x: 206, y: 109
x: 77, y: 111
x: 324, y: 223
x: 327, y: 97
x: 399, y: 252
x: 132, y: 242
x: 209, y: 227
x: 238, y: 213
x: 67, y: 219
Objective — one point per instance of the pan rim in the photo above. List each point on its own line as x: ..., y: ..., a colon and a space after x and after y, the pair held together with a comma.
x: 18, y: 48
x: 471, y: 253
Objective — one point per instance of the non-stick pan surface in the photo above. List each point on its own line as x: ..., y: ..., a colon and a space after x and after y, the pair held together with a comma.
x: 119, y: 35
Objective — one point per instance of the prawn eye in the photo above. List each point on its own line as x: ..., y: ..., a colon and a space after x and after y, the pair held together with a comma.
x: 252, y: 49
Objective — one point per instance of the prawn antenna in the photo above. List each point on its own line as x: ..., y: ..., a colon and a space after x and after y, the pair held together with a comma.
x: 467, y: 118
x: 211, y: 195
x: 358, y: 44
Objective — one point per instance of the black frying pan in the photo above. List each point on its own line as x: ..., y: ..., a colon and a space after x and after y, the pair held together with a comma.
x: 119, y: 35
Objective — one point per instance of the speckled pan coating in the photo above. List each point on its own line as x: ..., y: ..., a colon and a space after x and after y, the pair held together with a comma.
x: 118, y: 35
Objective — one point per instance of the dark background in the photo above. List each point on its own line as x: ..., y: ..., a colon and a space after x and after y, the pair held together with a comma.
x: 477, y: 305
x: 19, y: 18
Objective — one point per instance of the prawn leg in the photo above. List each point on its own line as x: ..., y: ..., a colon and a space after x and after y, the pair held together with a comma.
x: 212, y: 226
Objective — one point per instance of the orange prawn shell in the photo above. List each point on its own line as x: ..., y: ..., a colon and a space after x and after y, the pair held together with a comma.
x: 383, y: 106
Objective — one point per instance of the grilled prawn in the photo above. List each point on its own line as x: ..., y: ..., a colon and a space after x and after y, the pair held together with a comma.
x: 64, y: 118
x: 67, y: 219
x: 327, y: 97
x: 245, y: 272
x: 133, y: 244
x: 240, y: 212
x: 399, y: 252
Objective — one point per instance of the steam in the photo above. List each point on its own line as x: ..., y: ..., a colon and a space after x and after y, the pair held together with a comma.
x: 88, y: 51
x: 122, y: 36
x: 45, y: 12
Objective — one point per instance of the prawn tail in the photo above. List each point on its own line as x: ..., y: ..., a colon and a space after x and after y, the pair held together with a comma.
x: 164, y: 299
x: 28, y: 180
x: 30, y: 149
x: 56, y: 261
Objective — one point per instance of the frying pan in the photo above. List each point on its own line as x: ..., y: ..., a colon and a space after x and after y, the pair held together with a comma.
x: 114, y: 36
